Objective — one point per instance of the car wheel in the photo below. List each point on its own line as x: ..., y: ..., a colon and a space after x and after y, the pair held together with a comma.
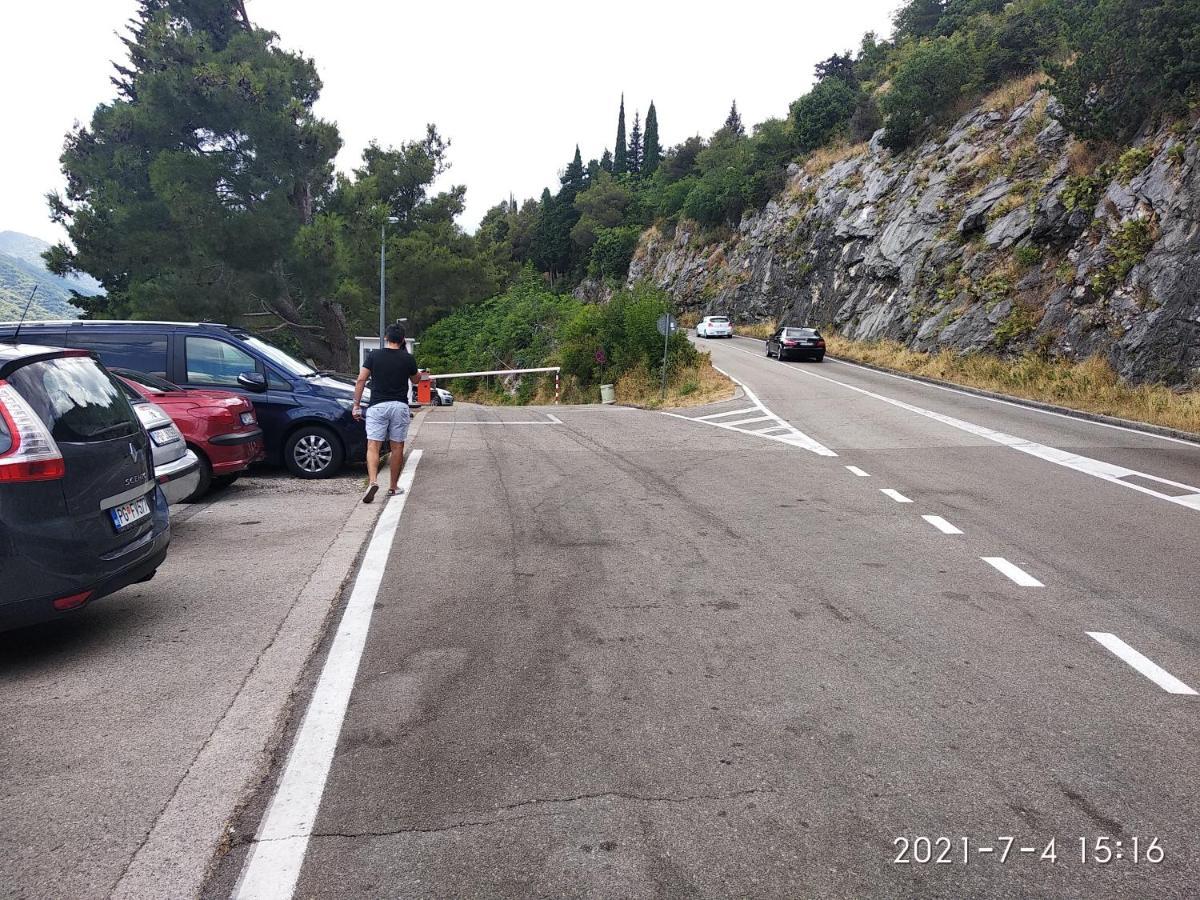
x: 768, y: 349
x: 820, y: 357
x: 224, y: 481
x: 206, y: 478
x: 779, y: 355
x: 313, y: 452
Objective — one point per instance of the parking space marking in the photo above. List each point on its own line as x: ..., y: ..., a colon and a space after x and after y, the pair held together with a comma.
x: 895, y: 495
x: 782, y: 431
x: 486, y: 422
x: 274, y: 863
x: 1143, y: 664
x: 942, y: 525
x: 554, y: 419
x: 1014, y: 573
x: 855, y: 470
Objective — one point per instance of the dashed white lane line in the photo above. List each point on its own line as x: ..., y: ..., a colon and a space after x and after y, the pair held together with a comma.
x: 783, y: 432
x: 554, y: 419
x: 855, y: 470
x: 942, y: 525
x: 1014, y: 573
x: 895, y: 495
x: 1147, y: 667
x: 273, y: 865
x: 1184, y: 494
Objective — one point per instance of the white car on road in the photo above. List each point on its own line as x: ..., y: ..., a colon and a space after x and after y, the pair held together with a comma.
x: 714, y: 327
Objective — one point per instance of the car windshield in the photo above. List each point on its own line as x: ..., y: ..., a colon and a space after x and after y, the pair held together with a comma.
x: 281, y: 358
x: 799, y: 332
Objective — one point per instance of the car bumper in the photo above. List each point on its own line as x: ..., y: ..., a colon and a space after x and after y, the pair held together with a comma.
x: 41, y: 609
x: 179, y: 479
x: 230, y: 453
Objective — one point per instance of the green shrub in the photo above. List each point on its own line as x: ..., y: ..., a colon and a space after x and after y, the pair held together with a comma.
x: 1020, y: 322
x: 1083, y: 191
x: 1027, y: 257
x: 612, y: 251
x: 822, y: 112
x: 930, y: 76
x: 1132, y: 162
x: 1128, y: 246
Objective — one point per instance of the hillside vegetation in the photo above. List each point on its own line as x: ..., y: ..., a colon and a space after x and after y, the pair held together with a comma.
x: 21, y: 268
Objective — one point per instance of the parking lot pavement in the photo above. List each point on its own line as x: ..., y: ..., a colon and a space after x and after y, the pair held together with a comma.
x: 133, y: 731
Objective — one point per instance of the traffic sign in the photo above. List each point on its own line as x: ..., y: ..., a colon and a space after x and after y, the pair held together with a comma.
x: 667, y: 324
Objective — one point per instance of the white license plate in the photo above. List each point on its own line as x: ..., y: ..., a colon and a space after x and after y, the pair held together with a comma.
x: 130, y: 513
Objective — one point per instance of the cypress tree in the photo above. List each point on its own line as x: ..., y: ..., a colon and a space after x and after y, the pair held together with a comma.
x: 634, y: 157
x: 573, y: 176
x: 651, y: 147
x: 606, y: 161
x: 733, y: 123
x: 620, y: 160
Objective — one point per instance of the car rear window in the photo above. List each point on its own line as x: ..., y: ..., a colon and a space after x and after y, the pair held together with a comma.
x: 720, y: 320
x: 799, y: 332
x: 78, y: 400
x: 5, y: 437
x: 140, y: 351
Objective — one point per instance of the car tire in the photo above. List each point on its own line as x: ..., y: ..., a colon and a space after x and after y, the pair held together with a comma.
x: 206, y: 478
x: 820, y: 357
x: 767, y: 347
x: 224, y: 481
x: 313, y: 451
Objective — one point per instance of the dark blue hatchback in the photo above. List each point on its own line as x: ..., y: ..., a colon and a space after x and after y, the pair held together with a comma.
x: 304, y: 414
x: 81, y: 514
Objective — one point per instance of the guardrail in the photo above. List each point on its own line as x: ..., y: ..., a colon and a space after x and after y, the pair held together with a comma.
x: 555, y: 369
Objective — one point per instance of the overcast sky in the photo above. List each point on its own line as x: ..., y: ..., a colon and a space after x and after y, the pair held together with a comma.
x: 513, y: 85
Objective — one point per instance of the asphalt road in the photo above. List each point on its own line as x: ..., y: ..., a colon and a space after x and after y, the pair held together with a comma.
x: 619, y: 653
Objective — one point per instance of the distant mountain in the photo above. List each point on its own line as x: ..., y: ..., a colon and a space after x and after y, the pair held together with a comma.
x: 21, y: 268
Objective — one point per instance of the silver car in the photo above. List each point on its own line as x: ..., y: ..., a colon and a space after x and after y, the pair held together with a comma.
x: 176, y: 468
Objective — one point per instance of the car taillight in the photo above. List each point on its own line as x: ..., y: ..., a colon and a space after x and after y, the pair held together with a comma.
x: 33, y: 455
x: 821, y: 342
x: 72, y: 602
x: 789, y: 343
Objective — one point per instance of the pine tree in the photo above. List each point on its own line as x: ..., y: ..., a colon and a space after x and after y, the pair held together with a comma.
x: 573, y: 176
x: 634, y: 157
x: 606, y: 161
x: 733, y: 123
x: 620, y: 159
x: 651, y: 147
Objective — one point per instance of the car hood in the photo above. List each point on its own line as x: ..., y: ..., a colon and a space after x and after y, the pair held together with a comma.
x: 332, y: 385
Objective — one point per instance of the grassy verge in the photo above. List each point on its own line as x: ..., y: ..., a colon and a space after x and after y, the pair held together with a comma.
x: 760, y: 330
x: 1089, y: 386
x: 694, y: 385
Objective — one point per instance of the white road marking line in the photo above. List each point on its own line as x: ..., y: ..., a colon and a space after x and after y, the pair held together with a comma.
x: 895, y: 495
x: 773, y: 428
x: 470, y: 422
x: 793, y: 437
x: 741, y: 422
x: 855, y: 470
x: 941, y: 525
x: 1147, y: 667
x: 554, y: 419
x: 1018, y: 575
x: 951, y: 390
x: 732, y: 412
x: 274, y: 863
x: 1094, y: 467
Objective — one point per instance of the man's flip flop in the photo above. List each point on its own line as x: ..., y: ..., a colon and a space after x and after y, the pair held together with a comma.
x: 392, y: 492
x: 372, y: 490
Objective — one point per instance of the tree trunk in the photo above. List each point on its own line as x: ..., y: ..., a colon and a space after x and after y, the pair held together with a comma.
x: 327, y: 344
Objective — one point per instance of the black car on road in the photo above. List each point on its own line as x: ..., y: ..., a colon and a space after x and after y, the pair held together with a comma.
x: 804, y: 343
x: 81, y: 514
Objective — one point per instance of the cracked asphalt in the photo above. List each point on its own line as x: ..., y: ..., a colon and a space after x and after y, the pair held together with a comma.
x: 633, y: 656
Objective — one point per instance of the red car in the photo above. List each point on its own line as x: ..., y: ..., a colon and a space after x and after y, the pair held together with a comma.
x: 219, y: 426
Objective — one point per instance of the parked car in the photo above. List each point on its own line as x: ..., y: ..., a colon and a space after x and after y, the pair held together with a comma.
x: 304, y: 414
x: 81, y: 515
x: 714, y: 327
x: 805, y: 343
x: 440, y: 396
x: 176, y: 468
x: 219, y: 427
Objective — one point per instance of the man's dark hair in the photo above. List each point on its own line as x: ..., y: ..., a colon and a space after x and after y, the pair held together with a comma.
x: 395, y: 334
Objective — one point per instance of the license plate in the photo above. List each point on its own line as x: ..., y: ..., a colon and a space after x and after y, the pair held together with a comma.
x: 128, y: 514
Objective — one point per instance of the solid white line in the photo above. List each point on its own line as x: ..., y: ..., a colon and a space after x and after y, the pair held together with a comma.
x: 1021, y: 577
x: 273, y: 865
x: 941, y: 525
x: 855, y: 470
x: 1094, y: 467
x: 1147, y: 667
x: 470, y: 422
x: 773, y: 428
x: 553, y: 418
x: 732, y: 412
x: 749, y: 421
x: 895, y: 495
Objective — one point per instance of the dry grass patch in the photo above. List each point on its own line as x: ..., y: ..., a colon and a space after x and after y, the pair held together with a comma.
x: 1009, y: 96
x: 760, y: 330
x: 823, y: 159
x: 1089, y: 386
x: 694, y: 386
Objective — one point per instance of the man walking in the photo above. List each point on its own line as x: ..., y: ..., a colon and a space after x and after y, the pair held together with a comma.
x: 391, y: 370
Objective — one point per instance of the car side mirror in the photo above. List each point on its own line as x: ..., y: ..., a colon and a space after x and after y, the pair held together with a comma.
x: 253, y: 381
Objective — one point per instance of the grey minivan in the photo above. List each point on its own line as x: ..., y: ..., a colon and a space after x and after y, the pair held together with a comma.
x: 81, y: 514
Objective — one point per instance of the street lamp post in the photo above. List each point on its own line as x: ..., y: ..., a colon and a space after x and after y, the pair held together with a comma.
x: 390, y: 220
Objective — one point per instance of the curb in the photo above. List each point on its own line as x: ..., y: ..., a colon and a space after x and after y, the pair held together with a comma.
x: 1131, y: 424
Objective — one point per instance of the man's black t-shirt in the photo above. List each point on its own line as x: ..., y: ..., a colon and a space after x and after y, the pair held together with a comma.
x: 391, y: 371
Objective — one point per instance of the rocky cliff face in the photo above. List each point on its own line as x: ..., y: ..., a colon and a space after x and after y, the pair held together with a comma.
x: 1000, y: 234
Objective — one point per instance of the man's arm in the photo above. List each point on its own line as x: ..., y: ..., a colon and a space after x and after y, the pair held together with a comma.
x: 363, y: 374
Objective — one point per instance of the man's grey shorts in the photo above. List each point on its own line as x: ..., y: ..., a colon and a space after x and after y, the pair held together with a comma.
x: 388, y: 421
